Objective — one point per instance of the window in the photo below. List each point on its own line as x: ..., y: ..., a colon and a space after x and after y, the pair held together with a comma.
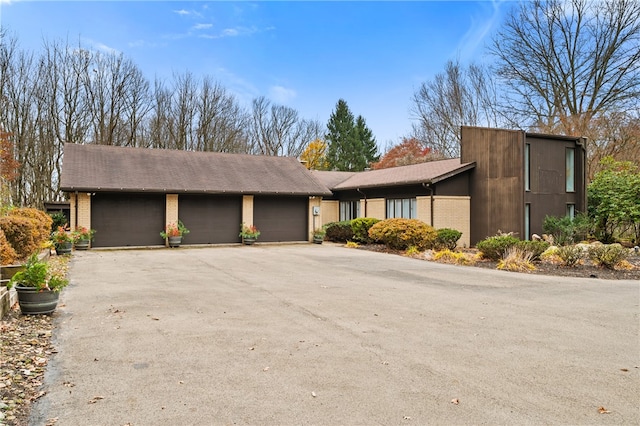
x: 570, y: 170
x: 571, y: 210
x: 527, y: 221
x: 349, y: 210
x: 401, y: 208
x: 527, y: 167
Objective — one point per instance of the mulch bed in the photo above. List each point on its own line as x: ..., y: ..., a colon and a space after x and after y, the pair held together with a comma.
x: 585, y: 270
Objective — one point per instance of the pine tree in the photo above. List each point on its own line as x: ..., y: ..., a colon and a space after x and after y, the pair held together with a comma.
x: 352, y: 146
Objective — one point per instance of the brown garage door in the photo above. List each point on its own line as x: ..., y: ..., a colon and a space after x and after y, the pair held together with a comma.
x: 211, y: 219
x: 281, y: 218
x: 127, y: 219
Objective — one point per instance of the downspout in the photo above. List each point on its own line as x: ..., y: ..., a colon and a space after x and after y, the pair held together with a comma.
x: 365, y: 201
x: 75, y: 206
x: 427, y: 185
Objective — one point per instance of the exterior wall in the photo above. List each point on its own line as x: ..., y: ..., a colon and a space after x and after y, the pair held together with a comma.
x: 497, y: 182
x: 454, y: 213
x: 423, y: 205
x: 80, y: 203
x: 329, y: 211
x: 315, y: 222
x: 171, y: 214
x: 247, y: 210
x: 376, y: 208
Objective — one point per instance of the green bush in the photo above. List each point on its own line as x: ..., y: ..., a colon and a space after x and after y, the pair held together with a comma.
x: 566, y: 230
x: 607, y: 255
x: 400, y: 234
x: 360, y: 228
x: 339, y: 232
x: 570, y: 255
x: 59, y: 219
x: 20, y: 233
x: 536, y: 248
x: 447, y: 239
x: 495, y: 247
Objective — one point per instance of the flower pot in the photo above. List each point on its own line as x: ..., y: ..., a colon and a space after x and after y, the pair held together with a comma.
x: 64, y: 248
x: 318, y: 240
x: 248, y: 240
x: 175, y: 241
x: 34, y: 302
x: 82, y: 245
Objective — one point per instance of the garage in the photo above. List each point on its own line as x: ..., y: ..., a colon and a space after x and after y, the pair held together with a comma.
x: 281, y: 218
x: 211, y: 219
x: 130, y: 219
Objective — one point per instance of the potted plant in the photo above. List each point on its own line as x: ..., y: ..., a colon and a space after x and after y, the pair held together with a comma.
x: 249, y: 233
x: 318, y: 236
x: 82, y: 237
x: 38, y: 288
x: 62, y: 240
x: 174, y: 233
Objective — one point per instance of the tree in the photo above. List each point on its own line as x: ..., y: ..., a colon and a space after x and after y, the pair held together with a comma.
x: 315, y: 155
x: 456, y: 97
x: 566, y: 62
x: 613, y: 200
x: 8, y: 168
x: 352, y: 146
x: 409, y: 151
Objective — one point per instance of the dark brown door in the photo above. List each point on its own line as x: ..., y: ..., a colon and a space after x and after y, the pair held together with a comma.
x: 281, y: 218
x: 127, y: 219
x: 211, y: 219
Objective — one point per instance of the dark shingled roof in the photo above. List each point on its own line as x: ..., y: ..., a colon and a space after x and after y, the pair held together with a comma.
x: 431, y: 171
x: 110, y: 168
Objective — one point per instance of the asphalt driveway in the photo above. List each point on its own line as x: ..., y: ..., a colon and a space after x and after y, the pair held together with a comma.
x: 321, y: 334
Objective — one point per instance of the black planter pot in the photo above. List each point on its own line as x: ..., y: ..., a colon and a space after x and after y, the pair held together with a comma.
x: 175, y: 241
x: 318, y: 240
x: 64, y: 248
x: 248, y: 240
x: 82, y: 245
x: 34, y: 302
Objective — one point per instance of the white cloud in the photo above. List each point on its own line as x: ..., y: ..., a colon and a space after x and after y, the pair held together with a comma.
x: 96, y: 45
x: 479, y: 29
x: 182, y: 12
x: 281, y: 94
x: 202, y: 26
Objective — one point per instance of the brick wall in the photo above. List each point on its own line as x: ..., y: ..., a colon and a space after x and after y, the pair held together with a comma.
x: 329, y: 211
x: 247, y: 210
x: 455, y: 213
x: 171, y: 206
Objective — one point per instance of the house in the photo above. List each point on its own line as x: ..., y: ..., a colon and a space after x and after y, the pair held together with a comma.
x: 504, y: 180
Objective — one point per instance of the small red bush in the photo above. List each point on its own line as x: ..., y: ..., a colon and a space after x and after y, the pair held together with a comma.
x: 20, y: 233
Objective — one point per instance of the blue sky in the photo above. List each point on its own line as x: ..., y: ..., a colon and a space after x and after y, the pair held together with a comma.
x: 305, y: 55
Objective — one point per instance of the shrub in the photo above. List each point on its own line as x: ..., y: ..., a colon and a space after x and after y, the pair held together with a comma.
x: 59, y: 219
x: 339, y: 232
x: 456, y: 258
x: 412, y: 251
x: 360, y: 228
x: 7, y: 254
x: 447, y: 239
x: 400, y: 234
x: 536, y: 248
x: 20, y: 232
x: 516, y: 260
x: 352, y: 244
x: 494, y: 248
x: 42, y: 222
x: 570, y: 255
x: 566, y: 230
x: 607, y: 255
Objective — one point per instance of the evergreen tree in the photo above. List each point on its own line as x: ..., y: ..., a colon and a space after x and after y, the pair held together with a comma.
x: 352, y: 146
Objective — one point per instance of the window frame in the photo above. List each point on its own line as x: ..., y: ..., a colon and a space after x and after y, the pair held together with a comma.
x: 401, y: 204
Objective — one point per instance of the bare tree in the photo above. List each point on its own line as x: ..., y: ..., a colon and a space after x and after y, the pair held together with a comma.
x: 458, y: 96
x: 278, y: 130
x: 566, y: 62
x: 221, y: 121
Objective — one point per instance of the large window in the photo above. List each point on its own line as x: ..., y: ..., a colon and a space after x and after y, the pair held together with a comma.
x: 527, y: 167
x: 571, y: 210
x: 570, y: 171
x: 349, y: 210
x: 401, y: 208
